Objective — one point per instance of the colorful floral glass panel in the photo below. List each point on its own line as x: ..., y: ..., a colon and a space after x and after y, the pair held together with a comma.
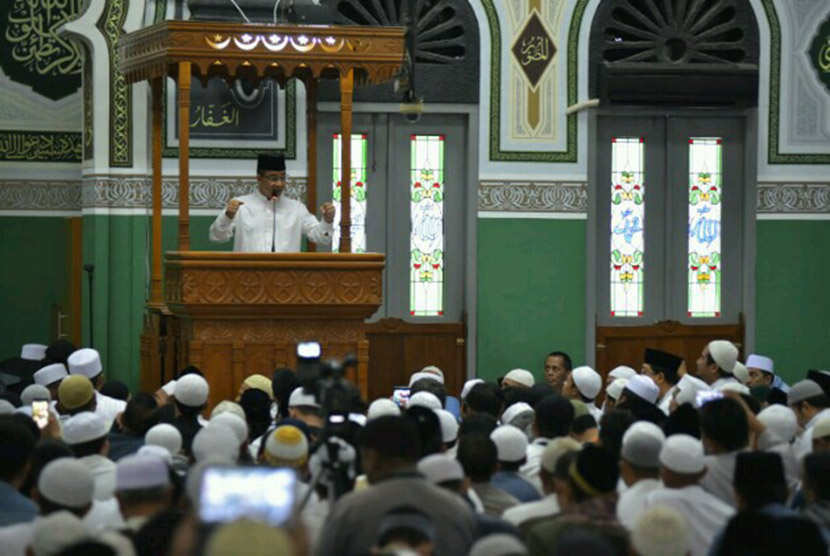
x: 426, y: 290
x: 627, y: 224
x: 705, y: 201
x: 358, y: 196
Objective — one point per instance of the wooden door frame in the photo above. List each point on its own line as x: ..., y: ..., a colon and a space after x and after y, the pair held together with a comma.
x: 470, y: 212
x: 750, y: 116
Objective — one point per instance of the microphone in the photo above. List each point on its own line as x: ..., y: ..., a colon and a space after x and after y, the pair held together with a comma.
x: 89, y: 268
x: 274, y: 226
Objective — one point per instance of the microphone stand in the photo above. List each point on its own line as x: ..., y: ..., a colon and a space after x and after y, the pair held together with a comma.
x: 274, y: 224
x: 90, y: 268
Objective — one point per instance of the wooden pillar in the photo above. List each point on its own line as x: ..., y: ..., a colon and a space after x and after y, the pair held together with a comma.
x: 346, y: 89
x: 184, y: 156
x: 311, y: 125
x: 156, y: 89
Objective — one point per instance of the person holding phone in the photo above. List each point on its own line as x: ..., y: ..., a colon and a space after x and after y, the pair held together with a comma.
x: 266, y: 221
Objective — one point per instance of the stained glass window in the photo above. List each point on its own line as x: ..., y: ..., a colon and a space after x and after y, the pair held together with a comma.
x: 705, y: 201
x: 627, y: 225
x: 358, y: 196
x: 426, y: 284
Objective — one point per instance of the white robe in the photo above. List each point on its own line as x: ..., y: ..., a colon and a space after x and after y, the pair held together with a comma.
x: 632, y: 502
x: 720, y: 470
x: 804, y: 445
x: 665, y: 402
x: 260, y: 223
x: 705, y: 514
x: 103, y: 471
x: 533, y: 454
x: 723, y: 382
x: 547, y: 506
x: 108, y: 407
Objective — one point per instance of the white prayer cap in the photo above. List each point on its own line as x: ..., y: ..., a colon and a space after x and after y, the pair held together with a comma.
x: 587, y: 381
x: 822, y: 428
x: 661, y: 531
x: 381, y: 407
x: 191, y: 390
x: 424, y: 399
x: 498, y: 544
x: 439, y: 468
x: 67, y: 482
x: 803, y: 390
x: 641, y: 444
x: 54, y: 533
x: 170, y: 388
x: 522, y: 376
x: 734, y: 387
x: 300, y: 398
x: 740, y: 372
x: 6, y: 407
x: 435, y: 371
x: 234, y: 422
x: 218, y: 441
x: 286, y: 445
x: 616, y: 388
x: 157, y: 452
x: 35, y: 392
x: 724, y: 353
x: 358, y: 418
x: 85, y: 361
x: 557, y: 448
x: 761, y: 362
x: 515, y: 410
x: 644, y: 387
x: 510, y: 442
x: 781, y: 420
x: 469, y: 386
x: 136, y: 472
x: 422, y: 375
x: 33, y: 352
x: 683, y: 454
x: 50, y: 374
x: 449, y: 425
x: 228, y: 406
x: 687, y: 389
x: 84, y: 427
x: 622, y: 372
x: 165, y: 435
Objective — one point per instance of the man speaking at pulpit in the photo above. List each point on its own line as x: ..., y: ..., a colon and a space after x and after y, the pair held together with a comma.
x: 266, y: 221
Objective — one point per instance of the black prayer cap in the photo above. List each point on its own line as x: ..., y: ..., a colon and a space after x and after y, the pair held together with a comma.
x: 270, y: 163
x: 664, y: 362
x: 761, y: 469
x: 596, y: 470
x: 822, y: 378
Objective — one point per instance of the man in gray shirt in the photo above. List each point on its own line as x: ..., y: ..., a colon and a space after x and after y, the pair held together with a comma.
x: 390, y: 449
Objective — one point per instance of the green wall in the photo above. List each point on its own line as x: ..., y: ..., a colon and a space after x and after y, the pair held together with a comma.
x: 792, y: 301
x: 33, y: 251
x: 531, y: 293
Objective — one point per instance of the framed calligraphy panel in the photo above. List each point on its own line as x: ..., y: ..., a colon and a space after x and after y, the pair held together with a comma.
x: 820, y: 53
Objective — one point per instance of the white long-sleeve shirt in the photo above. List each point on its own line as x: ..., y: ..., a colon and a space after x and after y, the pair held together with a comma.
x: 260, y: 223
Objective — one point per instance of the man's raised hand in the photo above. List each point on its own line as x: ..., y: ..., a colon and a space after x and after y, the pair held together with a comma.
x: 232, y: 207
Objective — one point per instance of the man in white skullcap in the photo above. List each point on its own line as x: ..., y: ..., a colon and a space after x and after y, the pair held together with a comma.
x: 142, y: 485
x: 86, y: 434
x: 87, y: 362
x: 584, y: 384
x: 519, y: 414
x: 525, y: 516
x: 56, y: 532
x: 469, y: 386
x: 449, y: 431
x: 761, y: 371
x: 34, y: 392
x: 518, y: 378
x: 191, y: 394
x: 216, y: 440
x: 640, y: 397
x: 717, y: 363
x: 621, y: 371
x: 64, y: 485
x: 511, y: 447
x: 424, y: 399
x: 51, y: 376
x: 775, y: 428
x: 640, y: 469
x: 381, y: 407
x: 612, y: 393
x: 811, y: 404
x: 303, y: 406
x: 681, y: 468
x: 237, y: 424
x: 661, y: 531
x: 165, y: 435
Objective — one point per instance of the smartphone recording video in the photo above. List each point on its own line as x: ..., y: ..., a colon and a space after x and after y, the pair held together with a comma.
x: 401, y: 396
x: 40, y: 412
x: 255, y: 493
x: 705, y: 396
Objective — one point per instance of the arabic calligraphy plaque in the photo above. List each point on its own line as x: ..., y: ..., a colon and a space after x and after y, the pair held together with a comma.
x: 238, y: 112
x: 820, y: 53
x: 534, y: 49
x: 32, y: 53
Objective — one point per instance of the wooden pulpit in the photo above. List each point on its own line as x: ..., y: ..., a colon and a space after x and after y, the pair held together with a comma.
x: 244, y: 313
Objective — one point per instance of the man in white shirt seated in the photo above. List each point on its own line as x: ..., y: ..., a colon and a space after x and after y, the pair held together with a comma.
x: 266, y: 221
x: 87, y: 362
x: 640, y: 469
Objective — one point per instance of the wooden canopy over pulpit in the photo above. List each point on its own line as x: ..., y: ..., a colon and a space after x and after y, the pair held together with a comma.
x: 206, y: 292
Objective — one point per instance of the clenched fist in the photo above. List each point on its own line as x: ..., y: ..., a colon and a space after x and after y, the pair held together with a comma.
x: 328, y: 212
x: 233, y: 206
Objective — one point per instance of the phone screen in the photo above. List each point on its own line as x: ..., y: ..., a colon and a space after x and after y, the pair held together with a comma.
x: 707, y: 396
x: 256, y: 493
x: 401, y: 396
x: 40, y: 412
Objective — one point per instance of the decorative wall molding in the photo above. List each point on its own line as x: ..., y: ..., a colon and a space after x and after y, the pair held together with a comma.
x: 532, y: 196
x: 46, y: 195
x: 793, y: 198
